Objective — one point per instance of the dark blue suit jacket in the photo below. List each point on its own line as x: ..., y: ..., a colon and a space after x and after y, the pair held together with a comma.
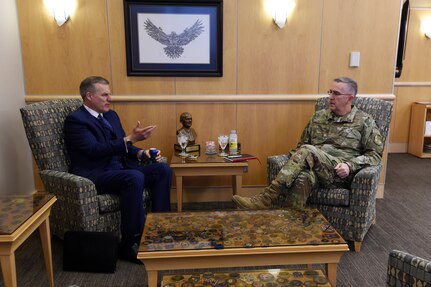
x: 92, y: 149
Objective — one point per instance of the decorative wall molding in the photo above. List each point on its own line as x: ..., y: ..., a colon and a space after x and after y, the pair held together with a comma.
x: 412, y: 84
x: 207, y: 98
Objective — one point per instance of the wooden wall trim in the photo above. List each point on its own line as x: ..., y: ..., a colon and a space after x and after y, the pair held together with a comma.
x: 412, y: 84
x: 421, y: 8
x: 206, y: 98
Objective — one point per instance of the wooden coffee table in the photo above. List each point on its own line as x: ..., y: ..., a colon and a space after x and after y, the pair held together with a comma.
x: 261, y: 277
x: 19, y: 217
x: 206, y: 165
x: 239, y: 238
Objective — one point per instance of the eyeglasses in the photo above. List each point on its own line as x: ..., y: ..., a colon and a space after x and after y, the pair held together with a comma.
x: 336, y: 93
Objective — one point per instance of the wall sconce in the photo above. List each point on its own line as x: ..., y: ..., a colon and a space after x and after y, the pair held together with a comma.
x: 61, y: 9
x: 426, y: 27
x: 282, y: 9
x: 60, y: 15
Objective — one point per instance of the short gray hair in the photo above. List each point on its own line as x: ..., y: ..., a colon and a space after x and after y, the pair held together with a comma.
x: 353, y: 86
x: 87, y: 85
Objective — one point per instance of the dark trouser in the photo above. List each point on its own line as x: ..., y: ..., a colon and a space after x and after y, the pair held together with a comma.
x: 129, y: 184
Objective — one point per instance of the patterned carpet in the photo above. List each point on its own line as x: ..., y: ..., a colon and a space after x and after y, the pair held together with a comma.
x: 403, y: 222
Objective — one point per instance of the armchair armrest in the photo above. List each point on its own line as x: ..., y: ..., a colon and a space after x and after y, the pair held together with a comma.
x: 405, y: 269
x: 274, y: 165
x: 56, y: 181
x: 77, y: 205
x: 364, y: 186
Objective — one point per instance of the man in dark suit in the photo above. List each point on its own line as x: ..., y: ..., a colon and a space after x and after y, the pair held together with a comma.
x: 100, y: 150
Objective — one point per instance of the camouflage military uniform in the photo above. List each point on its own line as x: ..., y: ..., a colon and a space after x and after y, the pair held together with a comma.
x: 327, y: 140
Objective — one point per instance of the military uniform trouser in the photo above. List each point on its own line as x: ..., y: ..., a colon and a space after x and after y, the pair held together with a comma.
x: 309, y: 167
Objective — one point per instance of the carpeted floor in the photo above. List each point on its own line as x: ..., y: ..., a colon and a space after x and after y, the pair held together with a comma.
x: 403, y: 222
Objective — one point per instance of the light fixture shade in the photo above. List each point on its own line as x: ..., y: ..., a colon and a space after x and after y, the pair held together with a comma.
x: 280, y: 18
x: 61, y: 9
x: 426, y: 27
x: 282, y: 10
x: 60, y: 16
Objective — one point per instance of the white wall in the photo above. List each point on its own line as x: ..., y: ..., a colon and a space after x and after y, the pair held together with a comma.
x: 16, y: 172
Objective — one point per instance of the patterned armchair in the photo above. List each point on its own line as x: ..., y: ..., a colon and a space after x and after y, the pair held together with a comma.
x: 405, y: 269
x: 78, y: 206
x: 350, y: 211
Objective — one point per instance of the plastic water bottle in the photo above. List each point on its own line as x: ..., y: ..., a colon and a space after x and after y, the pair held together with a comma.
x: 233, y: 142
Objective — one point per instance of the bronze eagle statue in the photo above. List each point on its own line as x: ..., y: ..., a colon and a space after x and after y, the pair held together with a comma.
x: 173, y: 41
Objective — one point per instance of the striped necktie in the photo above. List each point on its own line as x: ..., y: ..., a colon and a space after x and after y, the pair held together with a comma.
x: 105, y: 123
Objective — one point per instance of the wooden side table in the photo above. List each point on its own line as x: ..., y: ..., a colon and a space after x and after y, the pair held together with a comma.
x: 419, y: 135
x: 19, y: 217
x: 206, y: 165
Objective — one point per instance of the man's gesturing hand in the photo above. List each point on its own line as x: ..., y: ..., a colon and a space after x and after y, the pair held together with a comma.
x: 139, y: 133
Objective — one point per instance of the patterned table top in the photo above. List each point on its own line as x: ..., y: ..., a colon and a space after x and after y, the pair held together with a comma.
x: 236, y: 229
x: 15, y: 210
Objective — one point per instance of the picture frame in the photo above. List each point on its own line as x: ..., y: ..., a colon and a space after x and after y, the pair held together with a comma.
x: 175, y: 38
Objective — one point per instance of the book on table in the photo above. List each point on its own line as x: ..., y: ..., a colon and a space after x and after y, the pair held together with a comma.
x: 241, y: 157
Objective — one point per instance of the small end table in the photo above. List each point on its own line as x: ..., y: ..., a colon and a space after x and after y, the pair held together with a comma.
x: 19, y: 217
x: 206, y: 165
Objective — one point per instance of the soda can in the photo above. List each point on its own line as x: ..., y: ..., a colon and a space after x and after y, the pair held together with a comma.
x: 153, y: 155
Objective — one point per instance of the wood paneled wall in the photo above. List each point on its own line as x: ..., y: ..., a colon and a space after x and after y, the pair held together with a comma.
x: 263, y: 66
x: 415, y: 81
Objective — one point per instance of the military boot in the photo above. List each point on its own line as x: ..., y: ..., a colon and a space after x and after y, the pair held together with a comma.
x: 264, y: 200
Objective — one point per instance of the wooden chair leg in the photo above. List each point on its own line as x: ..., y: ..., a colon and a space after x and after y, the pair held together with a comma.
x: 357, y: 246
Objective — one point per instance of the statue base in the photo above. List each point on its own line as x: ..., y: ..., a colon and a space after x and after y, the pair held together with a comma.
x: 189, y: 148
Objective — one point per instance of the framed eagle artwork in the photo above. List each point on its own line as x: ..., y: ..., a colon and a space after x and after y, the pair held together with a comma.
x: 173, y: 38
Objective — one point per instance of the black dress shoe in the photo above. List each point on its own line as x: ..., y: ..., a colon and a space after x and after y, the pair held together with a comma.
x: 129, y: 252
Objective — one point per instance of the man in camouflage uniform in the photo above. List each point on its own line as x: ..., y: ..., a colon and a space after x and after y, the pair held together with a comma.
x: 336, y: 143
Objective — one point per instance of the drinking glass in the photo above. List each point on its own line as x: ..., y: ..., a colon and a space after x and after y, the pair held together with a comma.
x: 182, y: 140
x: 222, y: 141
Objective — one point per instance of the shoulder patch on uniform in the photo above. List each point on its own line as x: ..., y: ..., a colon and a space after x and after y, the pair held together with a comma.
x: 378, y: 139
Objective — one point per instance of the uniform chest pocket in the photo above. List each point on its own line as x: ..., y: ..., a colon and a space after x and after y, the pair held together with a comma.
x: 319, y: 131
x: 351, y: 133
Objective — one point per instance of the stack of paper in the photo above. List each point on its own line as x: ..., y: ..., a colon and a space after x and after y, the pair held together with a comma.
x: 428, y: 128
x: 427, y: 148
